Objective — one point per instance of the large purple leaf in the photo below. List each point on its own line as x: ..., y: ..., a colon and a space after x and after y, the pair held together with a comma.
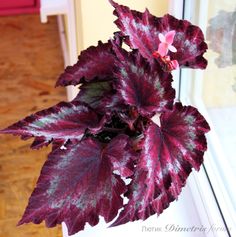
x: 143, y: 31
x: 59, y: 123
x: 168, y: 155
x: 77, y: 185
x: 94, y: 62
x: 143, y: 84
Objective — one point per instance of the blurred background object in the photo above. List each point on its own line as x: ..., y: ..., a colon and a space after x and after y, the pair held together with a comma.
x: 14, y: 7
x: 221, y: 34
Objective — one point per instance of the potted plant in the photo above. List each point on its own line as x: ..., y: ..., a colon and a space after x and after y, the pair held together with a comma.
x: 123, y: 134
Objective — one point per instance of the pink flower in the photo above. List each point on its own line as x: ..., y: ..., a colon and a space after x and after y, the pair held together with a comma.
x: 166, y: 43
x: 164, y: 47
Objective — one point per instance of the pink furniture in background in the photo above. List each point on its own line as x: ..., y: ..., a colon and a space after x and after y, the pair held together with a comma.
x: 15, y: 7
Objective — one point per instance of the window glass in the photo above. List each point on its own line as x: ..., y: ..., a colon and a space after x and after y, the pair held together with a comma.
x: 219, y: 84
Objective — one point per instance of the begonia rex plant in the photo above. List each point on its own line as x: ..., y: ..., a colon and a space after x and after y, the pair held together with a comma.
x: 123, y: 135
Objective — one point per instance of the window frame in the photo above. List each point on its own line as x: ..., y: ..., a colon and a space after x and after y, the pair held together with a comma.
x: 208, y: 184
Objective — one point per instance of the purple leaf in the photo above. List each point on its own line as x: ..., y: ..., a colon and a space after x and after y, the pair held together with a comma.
x: 121, y: 155
x: 142, y: 32
x: 94, y: 62
x: 59, y: 123
x: 143, y: 84
x: 168, y: 155
x: 77, y: 185
x: 129, y: 116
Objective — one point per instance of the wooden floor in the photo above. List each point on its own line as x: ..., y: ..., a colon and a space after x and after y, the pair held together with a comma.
x: 30, y: 62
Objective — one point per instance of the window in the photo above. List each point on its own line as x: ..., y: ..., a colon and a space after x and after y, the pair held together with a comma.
x: 213, y: 91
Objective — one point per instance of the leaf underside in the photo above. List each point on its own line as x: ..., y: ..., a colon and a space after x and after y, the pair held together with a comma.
x: 100, y: 95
